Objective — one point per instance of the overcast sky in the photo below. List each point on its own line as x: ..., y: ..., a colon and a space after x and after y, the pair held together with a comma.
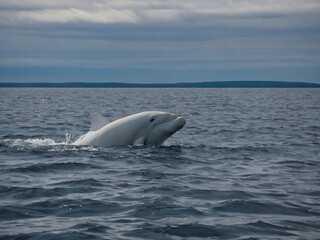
x: 159, y: 40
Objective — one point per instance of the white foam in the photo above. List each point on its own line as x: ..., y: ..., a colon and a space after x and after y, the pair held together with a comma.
x: 35, y: 142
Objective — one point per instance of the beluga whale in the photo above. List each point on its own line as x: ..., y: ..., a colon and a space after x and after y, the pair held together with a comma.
x: 145, y: 128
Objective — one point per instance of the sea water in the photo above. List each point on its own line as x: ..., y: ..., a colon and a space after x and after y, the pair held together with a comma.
x: 245, y: 166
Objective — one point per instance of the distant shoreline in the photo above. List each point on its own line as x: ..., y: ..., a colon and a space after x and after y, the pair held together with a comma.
x: 219, y: 84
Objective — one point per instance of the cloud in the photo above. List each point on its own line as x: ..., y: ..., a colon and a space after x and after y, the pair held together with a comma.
x: 141, y: 11
x: 75, y: 15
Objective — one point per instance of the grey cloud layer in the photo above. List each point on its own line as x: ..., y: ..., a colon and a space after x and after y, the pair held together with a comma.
x: 202, y: 35
x: 138, y: 11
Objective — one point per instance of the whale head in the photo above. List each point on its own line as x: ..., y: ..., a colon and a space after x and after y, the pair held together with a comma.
x: 162, y: 125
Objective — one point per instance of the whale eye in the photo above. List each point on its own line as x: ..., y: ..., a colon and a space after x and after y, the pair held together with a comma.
x: 152, y: 119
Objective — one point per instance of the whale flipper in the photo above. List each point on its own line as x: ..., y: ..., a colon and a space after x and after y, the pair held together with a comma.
x: 139, y: 141
x: 97, y: 121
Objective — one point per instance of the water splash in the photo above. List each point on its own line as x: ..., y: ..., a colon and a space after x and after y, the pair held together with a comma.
x: 35, y: 142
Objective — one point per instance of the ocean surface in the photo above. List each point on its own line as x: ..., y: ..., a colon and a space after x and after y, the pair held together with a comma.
x: 245, y: 166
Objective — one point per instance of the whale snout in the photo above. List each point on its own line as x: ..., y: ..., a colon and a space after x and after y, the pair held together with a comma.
x: 180, y: 121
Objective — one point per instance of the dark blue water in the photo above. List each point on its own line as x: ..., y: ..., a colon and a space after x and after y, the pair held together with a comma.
x: 246, y: 166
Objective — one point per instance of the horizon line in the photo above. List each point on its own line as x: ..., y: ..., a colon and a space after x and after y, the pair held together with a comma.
x: 207, y: 84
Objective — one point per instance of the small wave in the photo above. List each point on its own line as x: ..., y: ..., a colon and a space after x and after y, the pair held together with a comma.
x: 51, y: 167
x: 53, y: 236
x: 255, y: 207
x: 208, y: 194
x: 82, y: 182
x: 190, y: 230
x: 161, y: 208
x: 91, y: 227
x: 297, y: 163
x: 253, y: 148
x: 60, y: 208
x: 307, y: 226
x: 263, y: 227
x: 28, y: 193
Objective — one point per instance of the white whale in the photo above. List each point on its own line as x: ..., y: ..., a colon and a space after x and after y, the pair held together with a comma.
x: 145, y: 128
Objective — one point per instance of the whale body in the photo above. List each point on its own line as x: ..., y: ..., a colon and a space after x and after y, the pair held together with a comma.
x: 145, y: 128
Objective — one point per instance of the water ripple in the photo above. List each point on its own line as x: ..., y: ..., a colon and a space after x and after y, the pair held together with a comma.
x: 245, y: 166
